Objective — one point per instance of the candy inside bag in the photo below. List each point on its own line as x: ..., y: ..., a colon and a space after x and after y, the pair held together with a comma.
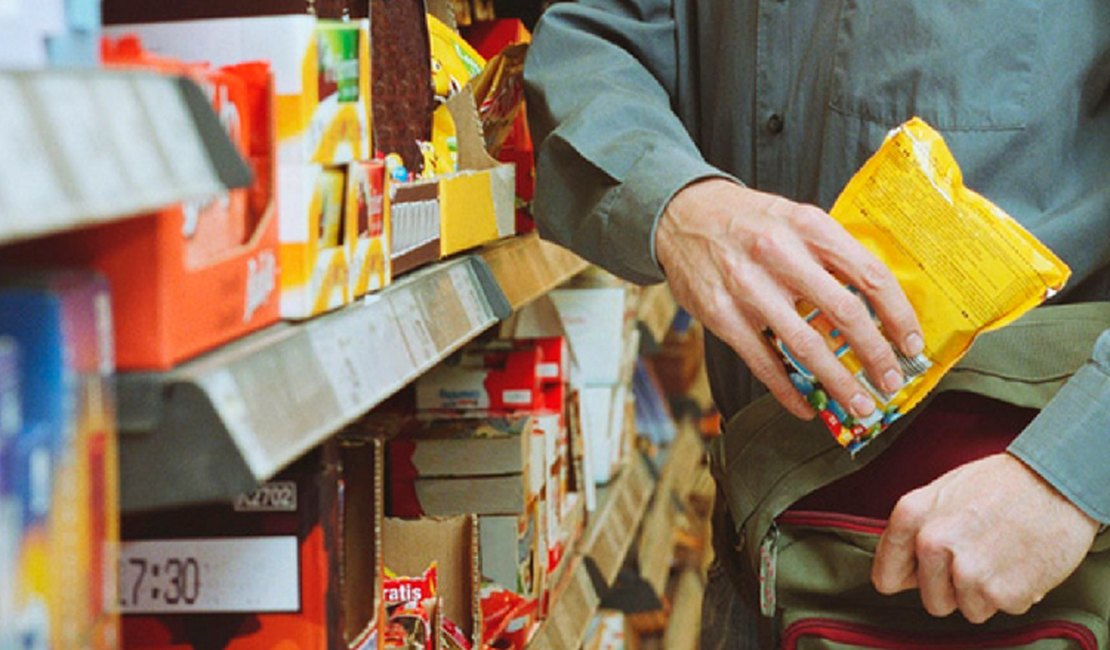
x: 965, y: 265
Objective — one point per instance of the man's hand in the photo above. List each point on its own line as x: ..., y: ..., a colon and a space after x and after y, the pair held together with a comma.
x: 988, y: 536
x: 739, y: 260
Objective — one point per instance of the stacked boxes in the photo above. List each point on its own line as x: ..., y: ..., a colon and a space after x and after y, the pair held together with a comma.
x: 321, y: 74
x: 494, y: 395
x: 435, y: 471
x: 297, y: 563
x: 58, y: 480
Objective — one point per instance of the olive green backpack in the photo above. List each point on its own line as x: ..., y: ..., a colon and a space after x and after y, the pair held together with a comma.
x: 815, y: 568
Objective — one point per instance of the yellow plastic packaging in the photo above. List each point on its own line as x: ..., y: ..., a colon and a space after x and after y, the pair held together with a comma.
x: 966, y: 266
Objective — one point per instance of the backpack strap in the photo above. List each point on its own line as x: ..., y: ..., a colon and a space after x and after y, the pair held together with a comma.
x: 766, y: 459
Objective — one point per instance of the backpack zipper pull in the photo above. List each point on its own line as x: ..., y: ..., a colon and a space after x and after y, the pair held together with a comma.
x: 768, y: 559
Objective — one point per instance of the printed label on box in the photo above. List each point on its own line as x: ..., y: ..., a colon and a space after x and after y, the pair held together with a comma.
x: 276, y: 496
x: 241, y: 574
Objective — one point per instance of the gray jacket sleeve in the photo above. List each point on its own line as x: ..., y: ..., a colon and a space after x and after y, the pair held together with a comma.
x: 1068, y: 443
x: 601, y: 78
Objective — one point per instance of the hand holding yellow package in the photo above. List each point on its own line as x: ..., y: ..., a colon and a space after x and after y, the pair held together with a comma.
x: 965, y: 265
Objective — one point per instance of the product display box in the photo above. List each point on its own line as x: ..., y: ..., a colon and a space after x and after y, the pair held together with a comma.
x: 321, y: 74
x: 497, y: 377
x: 451, y: 543
x: 315, y: 266
x: 432, y: 219
x: 489, y: 38
x: 321, y: 71
x: 297, y: 563
x: 368, y: 228
x: 59, y: 495
x: 196, y: 275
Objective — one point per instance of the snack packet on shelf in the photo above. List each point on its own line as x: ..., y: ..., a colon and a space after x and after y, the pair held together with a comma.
x: 410, y: 605
x: 965, y: 265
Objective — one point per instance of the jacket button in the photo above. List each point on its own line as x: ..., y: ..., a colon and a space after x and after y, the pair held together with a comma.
x: 775, y: 123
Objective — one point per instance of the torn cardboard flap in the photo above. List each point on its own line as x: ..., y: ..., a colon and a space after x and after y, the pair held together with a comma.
x: 411, y: 545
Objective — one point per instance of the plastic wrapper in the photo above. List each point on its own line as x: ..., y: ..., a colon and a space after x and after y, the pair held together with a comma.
x: 965, y: 265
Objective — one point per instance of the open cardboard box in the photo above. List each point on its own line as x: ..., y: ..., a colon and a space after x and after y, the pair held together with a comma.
x: 434, y: 218
x: 411, y: 545
x: 437, y: 217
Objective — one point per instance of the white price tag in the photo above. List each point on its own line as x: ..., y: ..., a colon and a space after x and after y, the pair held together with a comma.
x: 77, y: 125
x: 347, y: 358
x: 30, y: 186
x: 225, y: 575
x: 409, y: 319
x: 391, y: 361
x: 176, y: 132
x: 470, y: 295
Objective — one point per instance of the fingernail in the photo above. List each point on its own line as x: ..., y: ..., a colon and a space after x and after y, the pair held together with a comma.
x: 861, y: 405
x: 892, y: 381
x: 914, y: 344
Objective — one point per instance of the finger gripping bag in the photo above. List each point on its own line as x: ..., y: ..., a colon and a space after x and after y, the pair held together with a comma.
x: 965, y: 265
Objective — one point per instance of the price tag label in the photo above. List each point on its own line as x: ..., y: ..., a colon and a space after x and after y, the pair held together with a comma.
x: 232, y: 575
x: 469, y: 291
x: 347, y: 358
x: 410, y: 321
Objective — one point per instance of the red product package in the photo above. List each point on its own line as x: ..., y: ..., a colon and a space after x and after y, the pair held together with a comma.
x: 410, y: 609
x: 507, y: 618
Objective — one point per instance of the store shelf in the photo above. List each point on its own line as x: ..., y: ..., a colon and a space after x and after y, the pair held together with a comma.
x: 613, y: 526
x: 656, y: 544
x: 83, y: 147
x: 527, y: 267
x: 574, y: 605
x: 212, y: 427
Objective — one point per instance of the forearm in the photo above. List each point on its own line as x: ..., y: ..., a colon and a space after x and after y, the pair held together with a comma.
x: 610, y: 150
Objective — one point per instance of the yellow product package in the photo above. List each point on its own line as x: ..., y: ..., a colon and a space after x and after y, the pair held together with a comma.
x: 966, y: 266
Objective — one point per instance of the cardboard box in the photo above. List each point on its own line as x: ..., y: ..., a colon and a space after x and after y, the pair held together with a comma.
x: 434, y: 218
x: 410, y: 546
x: 483, y: 380
x: 321, y: 80
x: 314, y: 260
x: 321, y: 75
x: 368, y: 228
x: 466, y: 447
x: 59, y: 496
x: 496, y: 378
x: 295, y: 563
x: 493, y: 467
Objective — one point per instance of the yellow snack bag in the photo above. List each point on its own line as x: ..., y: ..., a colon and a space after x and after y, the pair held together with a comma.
x: 966, y: 266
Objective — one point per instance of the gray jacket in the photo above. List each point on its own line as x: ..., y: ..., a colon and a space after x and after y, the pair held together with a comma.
x: 630, y: 101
